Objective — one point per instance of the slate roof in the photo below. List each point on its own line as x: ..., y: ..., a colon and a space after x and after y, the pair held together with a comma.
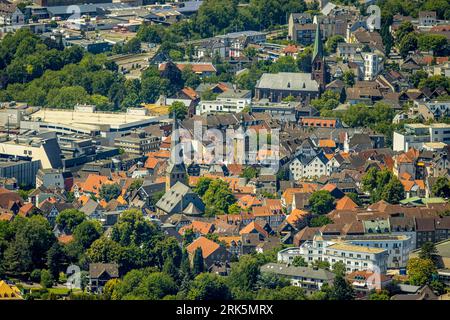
x: 291, y: 271
x: 97, y: 269
x: 296, y: 81
x: 177, y: 194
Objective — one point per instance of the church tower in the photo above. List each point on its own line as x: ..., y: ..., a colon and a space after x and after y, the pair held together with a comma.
x: 318, y: 72
x: 176, y: 170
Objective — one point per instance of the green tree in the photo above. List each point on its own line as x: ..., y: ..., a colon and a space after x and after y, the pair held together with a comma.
x: 198, y: 264
x: 321, y: 202
x: 202, y: 186
x: 349, y: 78
x: 67, y: 97
x: 339, y: 269
x: 332, y: 43
x: 46, y: 279
x: 428, y: 251
x: 407, y: 44
x: 69, y: 219
x: 208, y: 286
x: 320, y: 221
x: 249, y: 172
x: 420, y: 271
x: 87, y: 232
x: 28, y: 245
x: 110, y: 191
x: 394, y: 191
x: 55, y: 259
x: 145, y: 284
x: 433, y: 42
x: 244, y: 276
x: 284, y: 64
x: 299, y: 261
x: 272, y: 281
x: 441, y: 187
x: 382, y: 185
x: 321, y: 264
x: 218, y: 197
x: 285, y: 293
x: 405, y: 28
x: 179, y: 109
x: 135, y: 185
x: 342, y: 290
x: 383, y: 295
x: 104, y: 250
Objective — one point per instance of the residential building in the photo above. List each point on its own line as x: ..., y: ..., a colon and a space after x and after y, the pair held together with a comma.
x: 436, y: 108
x: 100, y: 274
x: 427, y: 18
x: 54, y: 178
x: 398, y: 247
x: 309, y: 279
x: 348, y: 51
x: 212, y: 252
x: 354, y: 257
x: 230, y: 101
x: 9, y: 291
x: 320, y: 122
x: 304, y: 167
x: 10, y: 14
x: 364, y: 282
x: 432, y: 229
x: 372, y: 66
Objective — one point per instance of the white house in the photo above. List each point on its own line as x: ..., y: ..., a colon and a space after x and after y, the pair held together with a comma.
x: 354, y: 257
x: 372, y: 65
x: 230, y: 101
x: 10, y: 15
x: 303, y: 167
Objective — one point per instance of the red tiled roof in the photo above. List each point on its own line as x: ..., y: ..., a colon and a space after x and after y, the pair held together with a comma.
x: 346, y: 203
x: 197, y: 226
x: 64, y: 239
x: 208, y: 246
x: 253, y: 226
x: 151, y: 163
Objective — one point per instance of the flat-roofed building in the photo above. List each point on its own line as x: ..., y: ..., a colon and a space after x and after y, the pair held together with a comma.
x: 354, y: 257
x: 23, y: 171
x: 397, y: 246
x: 415, y: 135
x: 310, y: 279
x: 85, y: 120
x: 138, y: 143
x: 34, y: 148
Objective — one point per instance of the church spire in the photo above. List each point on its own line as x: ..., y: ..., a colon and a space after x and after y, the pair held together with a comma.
x: 174, y: 139
x: 318, y: 46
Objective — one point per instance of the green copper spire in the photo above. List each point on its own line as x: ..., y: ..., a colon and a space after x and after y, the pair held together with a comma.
x: 318, y: 46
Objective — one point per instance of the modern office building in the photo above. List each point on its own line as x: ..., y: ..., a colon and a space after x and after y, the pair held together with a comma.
x: 34, y: 148
x: 415, y: 135
x: 23, y: 171
x: 138, y: 142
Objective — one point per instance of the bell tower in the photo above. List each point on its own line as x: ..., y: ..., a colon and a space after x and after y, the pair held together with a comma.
x: 318, y: 72
x: 176, y: 170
